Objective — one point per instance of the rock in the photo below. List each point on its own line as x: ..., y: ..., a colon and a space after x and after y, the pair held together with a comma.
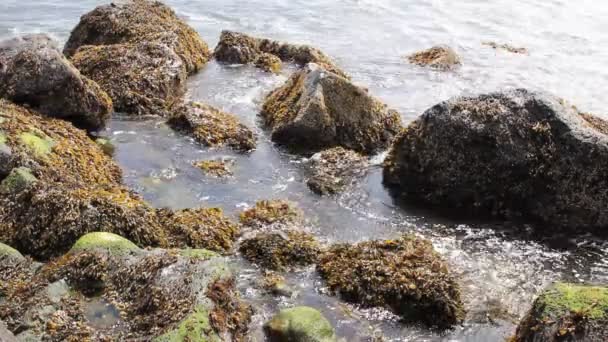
x: 299, y: 324
x: 405, y: 275
x: 198, y: 254
x: 106, y: 146
x: 281, y: 250
x: 507, y: 154
x: 217, y: 167
x: 212, y: 127
x: 33, y: 72
x: 142, y: 79
x: 113, y: 243
x: 506, y: 47
x: 317, y: 109
x: 18, y: 180
x: 439, y: 57
x: 206, y: 228
x: 7, y: 251
x: 335, y: 169
x: 268, y: 63
x: 276, y: 285
x: 239, y: 48
x: 273, y: 212
x: 567, y: 312
x: 140, y: 21
x: 5, y: 335
x: 6, y: 154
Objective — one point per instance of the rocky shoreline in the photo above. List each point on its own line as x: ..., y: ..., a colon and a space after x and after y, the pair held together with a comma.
x: 73, y: 236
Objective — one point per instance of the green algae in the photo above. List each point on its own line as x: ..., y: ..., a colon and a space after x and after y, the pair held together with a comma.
x: 198, y: 254
x: 19, y: 179
x: 3, y: 138
x: 101, y: 240
x: 38, y: 143
x: 565, y: 298
x: 196, y: 327
x: 106, y: 146
x: 301, y: 323
x: 8, y: 251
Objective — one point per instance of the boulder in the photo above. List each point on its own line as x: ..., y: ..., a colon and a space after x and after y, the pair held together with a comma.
x: 507, y: 154
x: 140, y: 21
x: 442, y: 58
x: 567, y: 312
x: 240, y: 48
x: 281, y: 250
x: 212, y: 127
x: 33, y: 72
x: 142, y: 79
x: 317, y: 109
x: 335, y: 169
x: 269, y: 214
x: 405, y: 275
x: 299, y: 324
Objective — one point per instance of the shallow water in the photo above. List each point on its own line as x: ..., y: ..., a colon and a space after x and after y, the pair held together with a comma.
x: 502, y: 266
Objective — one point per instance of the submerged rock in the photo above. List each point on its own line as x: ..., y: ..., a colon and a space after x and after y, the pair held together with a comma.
x: 317, y: 109
x: 33, y: 72
x: 268, y: 63
x: 440, y: 57
x: 507, y: 154
x: 212, y: 127
x: 271, y: 212
x: 143, y: 79
x: 567, y: 312
x: 276, y: 285
x: 239, y: 48
x: 299, y: 324
x: 281, y: 250
x: 216, y: 167
x: 335, y: 169
x: 405, y: 275
x: 140, y: 21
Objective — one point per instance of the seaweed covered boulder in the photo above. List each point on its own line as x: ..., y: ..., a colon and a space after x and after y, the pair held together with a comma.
x: 405, y: 275
x: 335, y: 169
x: 566, y: 312
x: 153, y: 294
x: 440, y: 57
x: 140, y: 21
x: 211, y: 126
x: 270, y: 214
x: 317, y: 109
x: 299, y: 324
x: 507, y: 154
x: 281, y: 250
x: 219, y: 167
x: 142, y: 79
x: 35, y: 73
x: 240, y: 48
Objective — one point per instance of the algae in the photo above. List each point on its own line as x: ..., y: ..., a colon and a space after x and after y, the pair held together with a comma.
x: 19, y: 179
x: 115, y: 244
x: 198, y: 254
x: 564, y: 298
x: 301, y: 323
x: 8, y: 251
x: 194, y: 328
x: 37, y: 142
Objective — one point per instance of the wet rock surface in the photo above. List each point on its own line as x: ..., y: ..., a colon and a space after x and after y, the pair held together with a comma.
x: 440, y: 57
x: 405, y: 275
x: 507, y: 154
x: 33, y: 72
x: 240, y: 48
x: 567, y: 312
x: 212, y: 127
x: 317, y: 109
x: 299, y: 324
x: 333, y: 170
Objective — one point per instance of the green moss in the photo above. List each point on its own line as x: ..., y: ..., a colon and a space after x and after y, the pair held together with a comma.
x: 106, y: 146
x: 564, y: 298
x: 37, y: 142
x: 19, y: 179
x: 6, y: 250
x: 2, y: 138
x: 301, y: 323
x: 112, y: 242
x: 194, y: 328
x: 198, y: 254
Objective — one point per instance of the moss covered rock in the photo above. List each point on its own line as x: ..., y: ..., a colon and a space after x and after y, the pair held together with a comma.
x: 299, y: 324
x: 196, y: 327
x: 438, y: 57
x: 508, y: 154
x: 18, y: 180
x: 139, y: 21
x: 405, y: 275
x: 35, y: 73
x: 239, y: 48
x: 270, y: 212
x: 335, y: 169
x: 317, y: 109
x: 567, y: 312
x: 115, y: 244
x: 7, y: 251
x: 281, y: 250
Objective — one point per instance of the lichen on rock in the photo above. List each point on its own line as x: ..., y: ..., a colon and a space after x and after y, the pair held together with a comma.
x: 333, y: 170
x: 211, y: 126
x: 439, y: 57
x: 317, y: 109
x: 281, y: 250
x: 405, y: 275
x: 299, y: 324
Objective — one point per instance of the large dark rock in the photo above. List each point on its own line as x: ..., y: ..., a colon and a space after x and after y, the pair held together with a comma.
x: 507, y: 154
x: 317, y: 109
x: 239, y: 48
x: 35, y: 73
x: 566, y: 312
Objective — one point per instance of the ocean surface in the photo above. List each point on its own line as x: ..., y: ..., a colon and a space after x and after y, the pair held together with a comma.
x: 501, y: 266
